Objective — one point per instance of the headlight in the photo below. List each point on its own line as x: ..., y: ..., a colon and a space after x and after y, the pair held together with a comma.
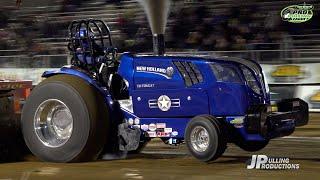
x: 225, y: 73
x: 251, y: 80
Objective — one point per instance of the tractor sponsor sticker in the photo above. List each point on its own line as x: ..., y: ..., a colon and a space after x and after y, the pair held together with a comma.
x: 164, y: 103
x: 137, y: 126
x: 174, y: 133
x: 297, y: 13
x: 144, y: 127
x: 163, y: 134
x: 237, y: 122
x: 152, y: 127
x: 145, y: 85
x: 152, y: 134
x: 161, y: 125
x: 264, y: 162
x: 168, y: 130
x: 165, y: 72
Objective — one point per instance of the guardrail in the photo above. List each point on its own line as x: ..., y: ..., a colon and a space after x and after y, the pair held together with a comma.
x: 37, y: 61
x: 262, y: 56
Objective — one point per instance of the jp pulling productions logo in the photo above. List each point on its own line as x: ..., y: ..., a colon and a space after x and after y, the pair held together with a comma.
x: 265, y: 162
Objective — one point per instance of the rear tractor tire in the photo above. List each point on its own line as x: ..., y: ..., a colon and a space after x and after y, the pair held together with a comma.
x: 65, y: 120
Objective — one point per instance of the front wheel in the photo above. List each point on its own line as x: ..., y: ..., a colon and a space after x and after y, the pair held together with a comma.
x: 206, y: 138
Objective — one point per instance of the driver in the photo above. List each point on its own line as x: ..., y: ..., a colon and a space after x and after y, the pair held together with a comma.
x: 83, y: 51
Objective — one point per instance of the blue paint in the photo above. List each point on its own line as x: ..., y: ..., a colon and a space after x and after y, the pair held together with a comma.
x: 149, y: 78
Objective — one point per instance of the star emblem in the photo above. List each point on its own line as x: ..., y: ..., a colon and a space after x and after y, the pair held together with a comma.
x: 164, y: 103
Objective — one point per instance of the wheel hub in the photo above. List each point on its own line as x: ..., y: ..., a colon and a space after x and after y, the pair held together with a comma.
x: 199, y: 139
x: 53, y: 123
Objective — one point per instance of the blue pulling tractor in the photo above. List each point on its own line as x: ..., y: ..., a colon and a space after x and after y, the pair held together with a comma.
x: 103, y: 105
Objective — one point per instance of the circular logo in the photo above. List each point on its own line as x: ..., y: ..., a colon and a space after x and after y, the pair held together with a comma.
x: 164, y: 103
x: 169, y: 71
x: 174, y: 133
x: 152, y: 127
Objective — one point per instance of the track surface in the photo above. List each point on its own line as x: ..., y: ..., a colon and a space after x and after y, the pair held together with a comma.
x: 159, y: 161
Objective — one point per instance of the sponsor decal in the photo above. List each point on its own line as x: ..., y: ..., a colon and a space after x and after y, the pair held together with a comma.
x: 161, y: 125
x: 167, y: 130
x: 152, y: 127
x: 237, y: 122
x: 288, y: 73
x: 130, y: 121
x: 272, y: 163
x: 137, y: 126
x: 297, y: 13
x: 170, y: 71
x: 163, y: 134
x: 144, y: 127
x: 164, y: 103
x: 136, y: 121
x: 152, y: 134
x: 174, y: 133
x: 145, y: 85
x: 165, y: 72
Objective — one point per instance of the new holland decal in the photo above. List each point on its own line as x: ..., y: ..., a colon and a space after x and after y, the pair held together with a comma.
x: 165, y: 72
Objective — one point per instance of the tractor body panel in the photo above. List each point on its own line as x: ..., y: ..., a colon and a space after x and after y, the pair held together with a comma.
x: 167, y: 91
x: 165, y: 95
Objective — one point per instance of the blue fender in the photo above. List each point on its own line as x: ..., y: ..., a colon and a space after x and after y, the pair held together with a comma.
x: 73, y: 72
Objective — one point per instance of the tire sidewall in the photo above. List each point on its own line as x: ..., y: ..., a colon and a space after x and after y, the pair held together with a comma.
x: 213, y: 138
x: 81, y: 122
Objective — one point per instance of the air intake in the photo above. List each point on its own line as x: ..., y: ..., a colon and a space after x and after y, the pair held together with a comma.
x: 189, y: 72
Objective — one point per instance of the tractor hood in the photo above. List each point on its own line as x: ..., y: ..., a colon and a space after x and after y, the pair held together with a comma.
x: 254, y: 66
x: 193, y: 69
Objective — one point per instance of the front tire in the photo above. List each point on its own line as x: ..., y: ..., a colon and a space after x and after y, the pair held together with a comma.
x: 206, y: 138
x: 65, y: 120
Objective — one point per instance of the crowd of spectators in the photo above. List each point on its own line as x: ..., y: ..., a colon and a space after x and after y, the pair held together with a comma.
x: 239, y: 27
x: 195, y: 26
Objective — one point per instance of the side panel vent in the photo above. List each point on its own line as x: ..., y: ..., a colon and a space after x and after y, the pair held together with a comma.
x: 189, y: 72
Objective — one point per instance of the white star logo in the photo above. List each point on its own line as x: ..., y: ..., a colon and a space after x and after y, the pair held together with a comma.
x: 164, y: 103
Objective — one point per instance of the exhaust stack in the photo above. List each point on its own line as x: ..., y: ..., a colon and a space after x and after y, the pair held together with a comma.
x: 157, y: 12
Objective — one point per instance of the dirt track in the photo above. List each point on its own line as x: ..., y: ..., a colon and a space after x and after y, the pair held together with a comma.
x: 159, y: 161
